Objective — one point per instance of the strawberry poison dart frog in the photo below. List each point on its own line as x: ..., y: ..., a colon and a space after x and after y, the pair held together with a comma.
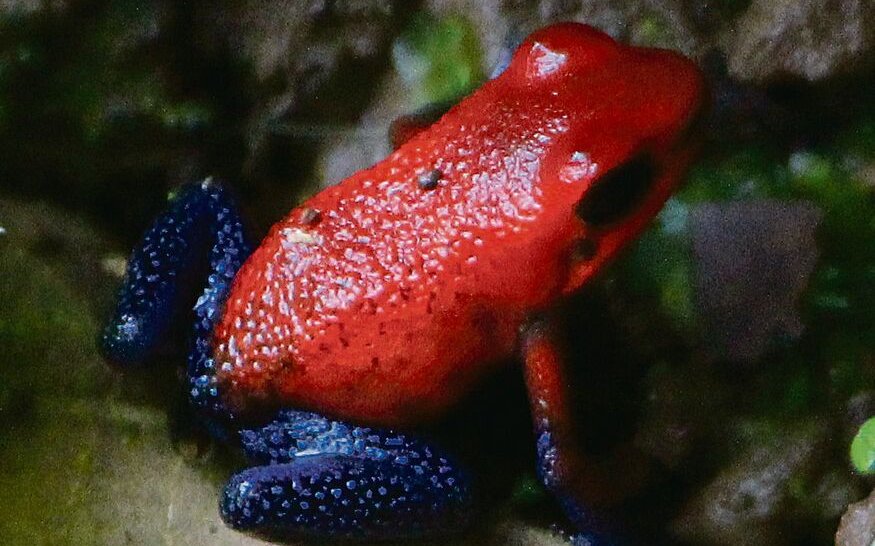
x: 380, y: 302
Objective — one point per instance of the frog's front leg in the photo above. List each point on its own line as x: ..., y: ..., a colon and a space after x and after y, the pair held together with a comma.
x: 563, y: 469
x: 324, y: 478
x: 200, y: 226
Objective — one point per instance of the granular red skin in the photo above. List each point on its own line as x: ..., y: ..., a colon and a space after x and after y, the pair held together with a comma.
x: 382, y: 301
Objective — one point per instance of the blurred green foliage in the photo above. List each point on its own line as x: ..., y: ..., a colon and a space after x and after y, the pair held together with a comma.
x: 439, y: 59
x: 833, y: 360
x: 842, y: 289
x: 863, y: 448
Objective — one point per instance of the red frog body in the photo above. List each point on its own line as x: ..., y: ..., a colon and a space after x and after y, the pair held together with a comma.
x: 383, y: 299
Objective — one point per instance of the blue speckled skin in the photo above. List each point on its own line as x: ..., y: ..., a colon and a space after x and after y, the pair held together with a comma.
x: 199, y: 216
x: 326, y: 478
x: 596, y: 531
x: 311, y: 476
x: 152, y: 288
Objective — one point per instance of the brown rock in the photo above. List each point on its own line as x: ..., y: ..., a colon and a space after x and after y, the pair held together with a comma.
x: 754, y: 259
x: 857, y: 527
x: 750, y: 501
x: 812, y: 39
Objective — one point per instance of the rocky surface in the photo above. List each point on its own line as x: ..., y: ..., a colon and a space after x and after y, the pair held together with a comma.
x: 754, y: 261
x: 811, y: 39
x: 857, y: 527
x: 748, y: 502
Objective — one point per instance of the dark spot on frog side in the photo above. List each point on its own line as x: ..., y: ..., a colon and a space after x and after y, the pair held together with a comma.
x: 484, y: 321
x: 617, y: 193
x: 429, y: 180
x: 310, y: 216
x: 429, y: 306
x: 584, y: 250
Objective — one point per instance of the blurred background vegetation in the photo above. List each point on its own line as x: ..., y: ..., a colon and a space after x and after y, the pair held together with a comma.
x: 730, y: 352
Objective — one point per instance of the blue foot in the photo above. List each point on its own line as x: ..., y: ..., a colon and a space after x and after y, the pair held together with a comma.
x: 597, y: 531
x: 200, y: 218
x: 328, y: 479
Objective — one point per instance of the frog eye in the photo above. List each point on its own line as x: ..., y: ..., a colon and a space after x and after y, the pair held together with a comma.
x: 617, y: 193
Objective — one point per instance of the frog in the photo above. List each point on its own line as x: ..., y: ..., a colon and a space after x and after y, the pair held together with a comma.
x: 379, y: 303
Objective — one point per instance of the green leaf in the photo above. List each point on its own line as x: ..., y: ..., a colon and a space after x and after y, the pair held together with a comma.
x: 863, y: 448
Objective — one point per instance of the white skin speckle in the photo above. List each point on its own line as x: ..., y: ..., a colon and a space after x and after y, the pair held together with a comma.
x: 294, y: 235
x: 579, y: 167
x: 543, y: 61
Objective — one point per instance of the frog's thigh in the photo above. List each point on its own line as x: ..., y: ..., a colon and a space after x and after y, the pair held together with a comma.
x: 325, y: 478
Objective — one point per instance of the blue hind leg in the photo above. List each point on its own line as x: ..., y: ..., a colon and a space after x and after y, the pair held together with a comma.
x: 200, y: 224
x: 323, y: 478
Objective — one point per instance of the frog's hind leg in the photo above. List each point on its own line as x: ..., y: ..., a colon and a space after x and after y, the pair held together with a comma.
x: 323, y: 478
x: 201, y: 224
